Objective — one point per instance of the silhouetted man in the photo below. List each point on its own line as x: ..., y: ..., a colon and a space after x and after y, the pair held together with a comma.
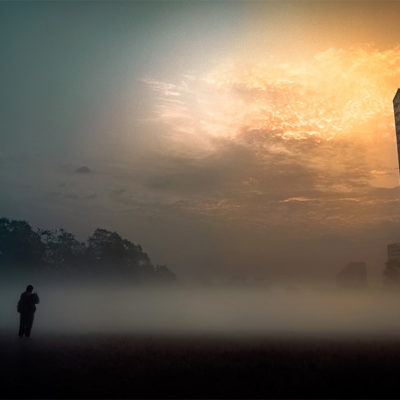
x: 26, y: 308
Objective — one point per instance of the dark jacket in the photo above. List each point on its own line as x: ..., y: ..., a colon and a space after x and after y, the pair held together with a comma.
x: 27, y: 301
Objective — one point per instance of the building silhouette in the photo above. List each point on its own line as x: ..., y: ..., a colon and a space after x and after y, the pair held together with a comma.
x: 396, y: 107
x: 353, y: 275
x: 392, y: 265
x: 393, y: 250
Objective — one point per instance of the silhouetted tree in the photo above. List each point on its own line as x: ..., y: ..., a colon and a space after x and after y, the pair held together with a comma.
x: 62, y: 249
x: 109, y: 251
x: 19, y: 244
x: 165, y: 274
x: 104, y: 253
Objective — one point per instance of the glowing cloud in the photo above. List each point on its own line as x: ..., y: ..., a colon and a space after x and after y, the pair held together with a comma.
x: 337, y: 92
x: 298, y: 144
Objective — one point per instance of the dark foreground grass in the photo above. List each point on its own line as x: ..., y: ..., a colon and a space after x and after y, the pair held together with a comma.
x: 198, y: 367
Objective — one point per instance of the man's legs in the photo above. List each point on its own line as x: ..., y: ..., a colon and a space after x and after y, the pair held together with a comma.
x: 21, y: 325
x: 28, y: 324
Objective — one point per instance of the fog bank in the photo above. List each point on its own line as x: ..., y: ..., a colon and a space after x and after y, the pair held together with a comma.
x: 211, y: 311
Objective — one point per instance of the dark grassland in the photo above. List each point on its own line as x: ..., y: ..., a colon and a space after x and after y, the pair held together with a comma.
x: 180, y: 367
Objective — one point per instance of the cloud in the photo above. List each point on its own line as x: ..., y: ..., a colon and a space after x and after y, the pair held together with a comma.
x: 259, y: 165
x: 305, y: 144
x: 83, y: 170
x: 334, y: 93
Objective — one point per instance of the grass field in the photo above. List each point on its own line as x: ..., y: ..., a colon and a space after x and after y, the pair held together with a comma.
x: 198, y: 367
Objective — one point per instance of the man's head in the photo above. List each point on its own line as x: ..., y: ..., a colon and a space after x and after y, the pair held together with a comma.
x: 29, y: 288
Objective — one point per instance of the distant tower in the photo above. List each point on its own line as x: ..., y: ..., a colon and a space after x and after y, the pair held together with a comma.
x: 396, y: 106
x: 392, y: 269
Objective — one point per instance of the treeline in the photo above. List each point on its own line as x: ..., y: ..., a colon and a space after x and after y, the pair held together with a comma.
x: 104, y: 254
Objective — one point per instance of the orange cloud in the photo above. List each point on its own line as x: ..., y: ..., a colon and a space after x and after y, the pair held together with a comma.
x: 329, y: 119
x: 337, y: 92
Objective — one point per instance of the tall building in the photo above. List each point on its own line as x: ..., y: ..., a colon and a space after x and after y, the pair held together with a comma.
x: 392, y: 269
x: 396, y: 106
x: 392, y: 265
x: 393, y: 252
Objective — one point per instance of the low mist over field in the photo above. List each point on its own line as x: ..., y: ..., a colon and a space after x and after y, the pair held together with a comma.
x: 244, y: 311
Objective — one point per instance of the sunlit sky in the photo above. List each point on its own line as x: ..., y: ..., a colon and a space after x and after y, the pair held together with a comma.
x: 230, y: 139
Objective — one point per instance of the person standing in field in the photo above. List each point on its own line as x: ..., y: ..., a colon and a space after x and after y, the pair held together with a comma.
x: 26, y: 308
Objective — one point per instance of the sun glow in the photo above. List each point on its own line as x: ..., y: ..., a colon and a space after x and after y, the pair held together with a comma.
x: 336, y: 93
x: 320, y: 132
